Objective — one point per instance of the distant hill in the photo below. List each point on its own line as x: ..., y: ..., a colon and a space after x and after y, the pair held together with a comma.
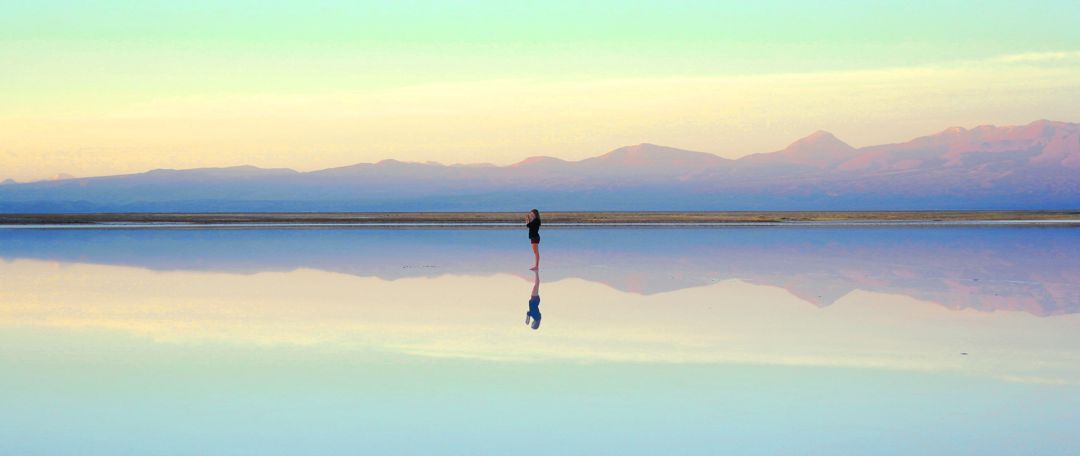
x: 1034, y: 166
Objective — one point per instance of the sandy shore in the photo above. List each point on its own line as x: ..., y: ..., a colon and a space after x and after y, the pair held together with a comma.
x: 550, y: 218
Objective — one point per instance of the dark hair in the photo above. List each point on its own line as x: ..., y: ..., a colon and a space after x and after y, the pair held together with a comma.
x: 536, y: 213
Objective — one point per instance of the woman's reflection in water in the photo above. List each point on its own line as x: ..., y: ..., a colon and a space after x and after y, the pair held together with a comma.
x: 532, y: 317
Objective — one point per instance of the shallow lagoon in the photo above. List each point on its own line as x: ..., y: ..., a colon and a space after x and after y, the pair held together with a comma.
x: 782, y: 340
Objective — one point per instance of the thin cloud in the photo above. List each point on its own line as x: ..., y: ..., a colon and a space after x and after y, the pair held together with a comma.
x: 1034, y: 57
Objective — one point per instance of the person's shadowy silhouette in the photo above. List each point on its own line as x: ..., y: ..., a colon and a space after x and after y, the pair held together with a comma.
x: 532, y: 317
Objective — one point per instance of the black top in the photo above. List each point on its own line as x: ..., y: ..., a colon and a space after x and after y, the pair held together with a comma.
x: 534, y: 228
x: 534, y: 307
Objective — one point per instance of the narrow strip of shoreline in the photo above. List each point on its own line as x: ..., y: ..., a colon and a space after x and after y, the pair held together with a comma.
x: 497, y: 219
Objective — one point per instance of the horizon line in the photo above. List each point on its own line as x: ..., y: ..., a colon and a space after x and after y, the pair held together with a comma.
x: 65, y: 176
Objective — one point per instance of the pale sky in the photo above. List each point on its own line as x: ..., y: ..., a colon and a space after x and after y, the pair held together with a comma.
x: 126, y: 86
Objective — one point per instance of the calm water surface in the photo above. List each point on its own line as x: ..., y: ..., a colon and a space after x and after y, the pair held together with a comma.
x: 814, y: 340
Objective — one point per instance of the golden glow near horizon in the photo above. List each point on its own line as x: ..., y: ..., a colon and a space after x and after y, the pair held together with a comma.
x: 126, y: 89
x: 729, y: 322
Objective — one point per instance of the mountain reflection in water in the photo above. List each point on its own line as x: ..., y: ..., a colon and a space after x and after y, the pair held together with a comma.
x: 1030, y: 269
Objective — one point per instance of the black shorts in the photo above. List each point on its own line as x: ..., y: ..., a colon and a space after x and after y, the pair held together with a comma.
x: 534, y: 240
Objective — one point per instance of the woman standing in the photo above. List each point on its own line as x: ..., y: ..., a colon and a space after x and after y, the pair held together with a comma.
x: 532, y: 220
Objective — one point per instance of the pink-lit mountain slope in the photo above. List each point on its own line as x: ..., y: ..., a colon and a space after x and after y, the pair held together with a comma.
x: 1034, y: 166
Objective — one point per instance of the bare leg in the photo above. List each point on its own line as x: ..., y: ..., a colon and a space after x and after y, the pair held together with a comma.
x: 536, y: 283
x: 536, y: 252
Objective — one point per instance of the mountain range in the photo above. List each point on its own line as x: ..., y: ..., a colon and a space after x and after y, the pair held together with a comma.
x: 1034, y: 166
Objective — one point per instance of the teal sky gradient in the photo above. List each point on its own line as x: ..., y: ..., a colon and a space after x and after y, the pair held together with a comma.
x: 560, y: 39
